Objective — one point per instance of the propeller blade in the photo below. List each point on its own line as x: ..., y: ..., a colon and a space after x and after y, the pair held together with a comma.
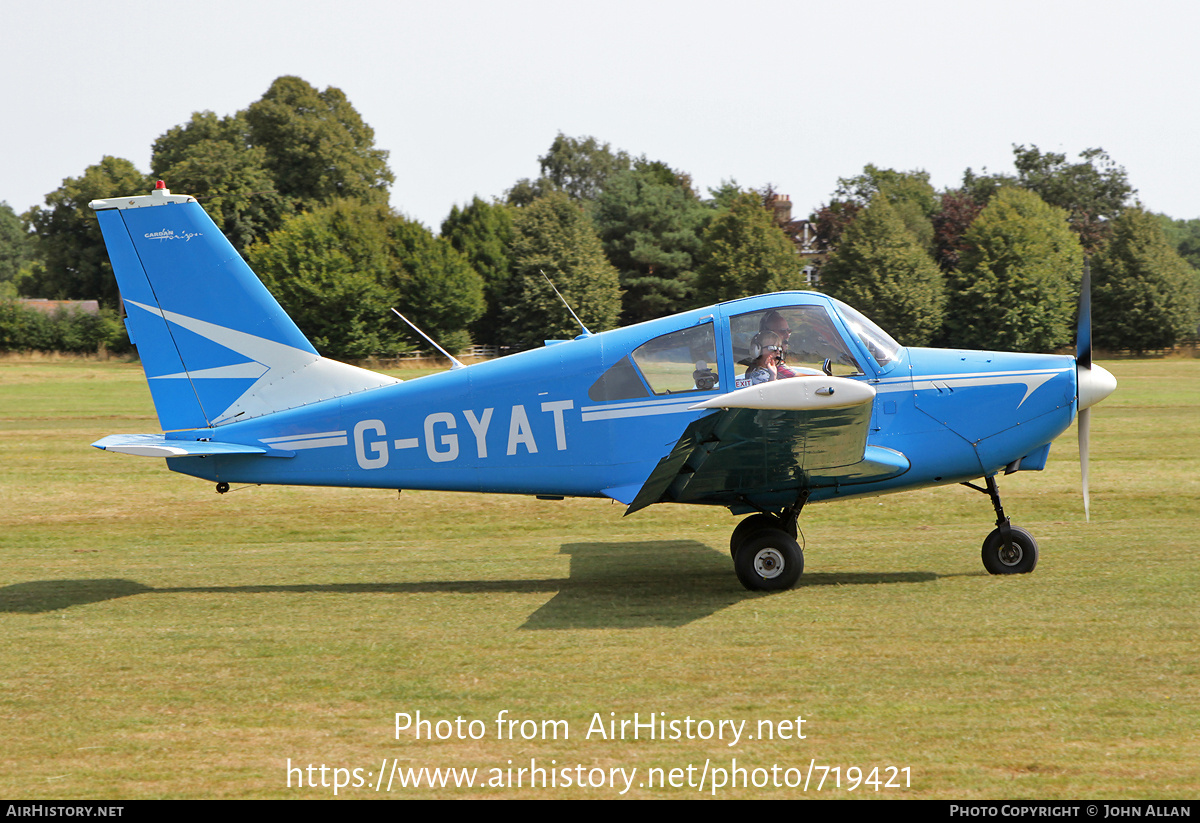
x: 1092, y: 385
x: 1085, y: 427
x: 1083, y: 332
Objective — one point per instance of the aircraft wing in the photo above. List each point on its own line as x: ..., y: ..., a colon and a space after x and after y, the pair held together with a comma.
x: 771, y: 441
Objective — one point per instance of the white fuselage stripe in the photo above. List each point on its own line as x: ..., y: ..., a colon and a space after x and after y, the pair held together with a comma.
x: 638, y: 411
x: 314, y: 440
x: 638, y: 404
x: 1032, y: 380
x: 299, y: 437
x: 893, y: 383
x: 321, y: 443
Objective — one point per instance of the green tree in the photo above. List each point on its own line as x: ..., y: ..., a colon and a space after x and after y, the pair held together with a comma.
x: 664, y: 175
x: 900, y: 187
x: 176, y: 145
x: 578, y: 166
x: 72, y: 263
x: 649, y: 221
x: 483, y: 232
x: 1093, y: 191
x: 340, y: 269
x: 910, y: 193
x: 294, y: 148
x: 554, y: 236
x: 23, y: 328
x: 1184, y: 235
x: 438, y: 290
x: 16, y: 245
x: 744, y: 252
x: 1145, y: 296
x: 880, y: 269
x: 211, y: 158
x: 318, y: 149
x: 1015, y: 288
x: 724, y: 196
x: 330, y: 269
x: 983, y: 186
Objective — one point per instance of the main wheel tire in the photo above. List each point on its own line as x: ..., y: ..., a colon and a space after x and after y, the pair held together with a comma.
x: 1022, y: 558
x: 769, y: 560
x: 754, y: 523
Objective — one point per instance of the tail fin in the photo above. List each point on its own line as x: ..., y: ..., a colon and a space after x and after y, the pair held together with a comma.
x: 215, y: 345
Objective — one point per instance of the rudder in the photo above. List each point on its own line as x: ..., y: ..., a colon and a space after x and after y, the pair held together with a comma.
x: 214, y: 344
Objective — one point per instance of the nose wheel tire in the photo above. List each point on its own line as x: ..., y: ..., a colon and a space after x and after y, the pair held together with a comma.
x: 1019, y: 558
x: 768, y: 560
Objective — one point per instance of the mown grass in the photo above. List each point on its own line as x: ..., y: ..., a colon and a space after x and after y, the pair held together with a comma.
x: 163, y: 641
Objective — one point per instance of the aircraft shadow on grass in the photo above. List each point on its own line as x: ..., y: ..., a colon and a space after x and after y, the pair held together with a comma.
x: 610, y: 586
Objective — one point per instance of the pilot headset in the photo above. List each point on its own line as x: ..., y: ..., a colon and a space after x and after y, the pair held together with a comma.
x: 771, y: 340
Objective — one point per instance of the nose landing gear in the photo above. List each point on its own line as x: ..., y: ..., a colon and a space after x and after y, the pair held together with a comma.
x: 1007, y: 549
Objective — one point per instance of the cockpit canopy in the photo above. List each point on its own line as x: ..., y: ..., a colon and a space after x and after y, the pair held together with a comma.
x: 715, y: 355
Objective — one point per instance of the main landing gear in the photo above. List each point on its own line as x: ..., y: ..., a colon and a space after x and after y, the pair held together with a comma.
x: 767, y: 557
x: 1008, y: 549
x: 765, y: 553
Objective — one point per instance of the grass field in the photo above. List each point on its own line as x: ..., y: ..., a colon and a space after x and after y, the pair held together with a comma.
x: 160, y: 640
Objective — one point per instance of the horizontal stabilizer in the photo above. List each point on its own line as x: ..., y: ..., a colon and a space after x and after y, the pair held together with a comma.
x: 157, y: 445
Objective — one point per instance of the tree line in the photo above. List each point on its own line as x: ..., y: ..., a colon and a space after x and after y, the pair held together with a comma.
x: 297, y: 184
x: 996, y: 262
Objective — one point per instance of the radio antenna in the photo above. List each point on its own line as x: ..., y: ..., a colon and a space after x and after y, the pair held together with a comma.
x: 586, y: 333
x: 456, y: 364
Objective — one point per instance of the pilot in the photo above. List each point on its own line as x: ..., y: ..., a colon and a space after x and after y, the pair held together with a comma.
x: 775, y: 322
x: 769, y: 349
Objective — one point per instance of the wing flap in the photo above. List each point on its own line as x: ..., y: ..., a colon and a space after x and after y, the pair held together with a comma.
x: 769, y: 444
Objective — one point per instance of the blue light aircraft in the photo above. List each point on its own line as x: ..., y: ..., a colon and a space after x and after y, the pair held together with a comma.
x: 664, y: 411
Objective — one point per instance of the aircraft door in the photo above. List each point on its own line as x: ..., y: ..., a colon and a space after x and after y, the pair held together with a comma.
x: 786, y: 341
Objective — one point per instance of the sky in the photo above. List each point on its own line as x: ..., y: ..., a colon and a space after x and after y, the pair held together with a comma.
x: 465, y: 96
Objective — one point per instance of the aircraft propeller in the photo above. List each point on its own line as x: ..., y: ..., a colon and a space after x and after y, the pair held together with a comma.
x: 1094, y: 382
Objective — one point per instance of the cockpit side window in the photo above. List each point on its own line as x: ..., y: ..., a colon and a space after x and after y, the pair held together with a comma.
x: 620, y: 382
x: 682, y: 361
x: 806, y: 334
